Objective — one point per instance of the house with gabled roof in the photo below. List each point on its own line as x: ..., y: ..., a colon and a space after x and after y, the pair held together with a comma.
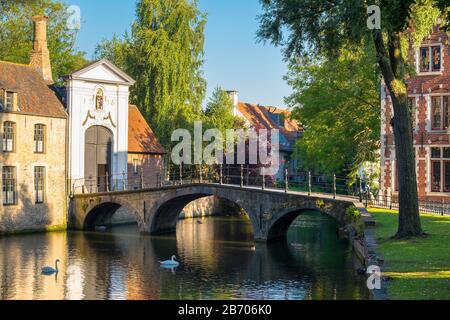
x: 33, y: 130
x: 269, y: 117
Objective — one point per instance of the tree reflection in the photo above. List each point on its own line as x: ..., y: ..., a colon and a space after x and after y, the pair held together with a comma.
x: 218, y: 260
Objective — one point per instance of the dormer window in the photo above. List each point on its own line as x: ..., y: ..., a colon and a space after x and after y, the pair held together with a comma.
x: 8, y: 100
x: 430, y: 59
x: 278, y: 118
x: 2, y: 99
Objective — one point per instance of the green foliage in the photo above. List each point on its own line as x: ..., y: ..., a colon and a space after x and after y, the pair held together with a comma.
x: 352, y: 214
x: 16, y: 34
x: 164, y: 54
x: 219, y: 112
x: 337, y: 101
x: 320, y: 204
x: 116, y: 50
x: 322, y: 26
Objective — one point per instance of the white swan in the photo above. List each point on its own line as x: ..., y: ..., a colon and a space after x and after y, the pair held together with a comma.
x: 170, y: 263
x: 101, y: 228
x: 49, y: 270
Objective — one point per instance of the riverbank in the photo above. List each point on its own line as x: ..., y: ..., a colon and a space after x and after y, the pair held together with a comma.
x: 419, y: 268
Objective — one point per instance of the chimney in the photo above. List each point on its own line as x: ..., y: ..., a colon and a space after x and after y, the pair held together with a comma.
x: 40, y: 56
x: 234, y: 95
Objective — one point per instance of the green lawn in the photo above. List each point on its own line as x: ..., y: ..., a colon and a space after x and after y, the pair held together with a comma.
x: 420, y: 268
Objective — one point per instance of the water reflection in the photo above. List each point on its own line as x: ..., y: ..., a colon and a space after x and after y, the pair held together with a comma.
x: 218, y: 260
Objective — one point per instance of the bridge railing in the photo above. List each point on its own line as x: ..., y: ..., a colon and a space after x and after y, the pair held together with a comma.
x: 425, y: 205
x: 251, y: 176
x: 115, y: 183
x: 247, y: 176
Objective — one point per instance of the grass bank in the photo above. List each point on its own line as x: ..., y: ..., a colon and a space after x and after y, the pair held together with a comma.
x: 420, y: 268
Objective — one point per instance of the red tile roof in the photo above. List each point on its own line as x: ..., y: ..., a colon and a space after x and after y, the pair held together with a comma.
x: 33, y: 94
x: 259, y: 118
x: 141, y: 138
x: 256, y: 115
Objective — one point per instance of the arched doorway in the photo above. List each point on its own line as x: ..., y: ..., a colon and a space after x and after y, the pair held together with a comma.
x: 97, y: 158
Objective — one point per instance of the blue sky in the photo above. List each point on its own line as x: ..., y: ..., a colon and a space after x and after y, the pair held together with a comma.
x: 234, y: 60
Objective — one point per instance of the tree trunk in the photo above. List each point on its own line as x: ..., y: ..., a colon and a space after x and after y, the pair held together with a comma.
x: 409, y: 218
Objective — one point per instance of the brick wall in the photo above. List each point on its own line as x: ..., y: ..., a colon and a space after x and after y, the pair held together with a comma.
x: 421, y: 87
x: 151, y: 166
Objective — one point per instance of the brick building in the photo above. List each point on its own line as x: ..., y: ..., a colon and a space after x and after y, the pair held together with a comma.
x: 429, y: 98
x: 268, y: 117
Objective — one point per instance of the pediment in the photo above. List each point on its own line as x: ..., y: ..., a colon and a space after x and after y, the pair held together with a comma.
x: 103, y: 71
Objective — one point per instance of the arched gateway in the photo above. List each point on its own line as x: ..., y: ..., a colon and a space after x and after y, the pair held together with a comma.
x: 157, y: 210
x: 97, y: 158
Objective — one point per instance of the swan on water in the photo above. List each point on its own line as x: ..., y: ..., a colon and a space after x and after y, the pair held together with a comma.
x: 170, y: 263
x: 49, y: 270
x: 101, y: 228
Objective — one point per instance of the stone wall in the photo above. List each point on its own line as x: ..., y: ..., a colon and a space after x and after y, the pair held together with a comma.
x: 122, y: 216
x: 208, y: 206
x: 26, y: 215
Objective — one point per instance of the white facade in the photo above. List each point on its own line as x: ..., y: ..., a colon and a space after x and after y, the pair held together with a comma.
x: 82, y: 88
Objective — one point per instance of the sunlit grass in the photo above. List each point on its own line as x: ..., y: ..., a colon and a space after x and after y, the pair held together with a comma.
x: 420, y: 268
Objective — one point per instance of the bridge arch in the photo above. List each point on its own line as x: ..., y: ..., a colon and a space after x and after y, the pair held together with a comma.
x: 101, y: 213
x: 279, y: 228
x: 167, y: 210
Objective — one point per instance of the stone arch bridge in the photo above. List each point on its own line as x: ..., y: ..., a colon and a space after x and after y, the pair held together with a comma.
x: 157, y: 210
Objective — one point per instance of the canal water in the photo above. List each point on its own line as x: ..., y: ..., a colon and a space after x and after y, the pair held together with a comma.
x: 218, y: 260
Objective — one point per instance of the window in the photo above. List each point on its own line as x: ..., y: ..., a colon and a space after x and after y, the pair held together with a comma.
x: 395, y: 169
x: 135, y: 166
x: 436, y: 56
x: 413, y: 109
x: 9, y: 100
x: 9, y: 185
x: 8, y: 136
x: 2, y: 99
x: 440, y: 169
x: 440, y: 113
x: 39, y: 138
x: 39, y: 184
x: 430, y: 59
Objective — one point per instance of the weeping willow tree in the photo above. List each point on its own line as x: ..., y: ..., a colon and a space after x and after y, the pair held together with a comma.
x: 164, y: 54
x: 324, y: 26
